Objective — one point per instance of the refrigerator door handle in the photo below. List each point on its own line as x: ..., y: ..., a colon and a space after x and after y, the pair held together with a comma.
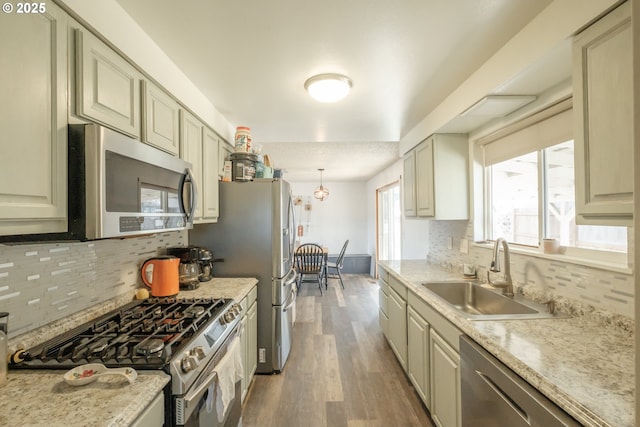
x: 293, y: 296
x: 291, y: 277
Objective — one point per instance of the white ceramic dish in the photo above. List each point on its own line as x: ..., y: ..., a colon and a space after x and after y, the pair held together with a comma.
x: 85, y: 374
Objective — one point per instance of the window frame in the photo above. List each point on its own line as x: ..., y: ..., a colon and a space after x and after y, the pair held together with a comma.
x: 609, y: 260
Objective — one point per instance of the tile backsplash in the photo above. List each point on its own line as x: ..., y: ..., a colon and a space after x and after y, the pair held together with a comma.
x: 41, y: 283
x: 594, y: 288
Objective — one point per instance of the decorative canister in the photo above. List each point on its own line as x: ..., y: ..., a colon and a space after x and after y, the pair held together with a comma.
x: 243, y: 139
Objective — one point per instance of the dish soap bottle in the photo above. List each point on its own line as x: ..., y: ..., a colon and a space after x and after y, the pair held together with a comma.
x: 4, y: 350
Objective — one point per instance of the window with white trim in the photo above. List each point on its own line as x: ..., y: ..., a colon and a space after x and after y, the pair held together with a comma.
x: 530, y: 187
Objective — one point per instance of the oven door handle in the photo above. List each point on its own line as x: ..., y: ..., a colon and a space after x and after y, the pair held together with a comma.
x: 192, y: 398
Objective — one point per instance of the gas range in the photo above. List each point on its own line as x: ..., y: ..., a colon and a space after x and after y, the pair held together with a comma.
x: 176, y: 335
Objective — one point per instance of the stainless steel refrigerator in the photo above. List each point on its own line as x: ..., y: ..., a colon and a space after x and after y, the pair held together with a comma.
x: 255, y: 236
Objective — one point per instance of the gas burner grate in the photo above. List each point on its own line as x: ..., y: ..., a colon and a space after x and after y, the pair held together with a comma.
x: 143, y: 334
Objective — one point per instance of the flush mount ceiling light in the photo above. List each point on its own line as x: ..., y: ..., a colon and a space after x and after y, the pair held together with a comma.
x: 328, y: 87
x: 321, y: 193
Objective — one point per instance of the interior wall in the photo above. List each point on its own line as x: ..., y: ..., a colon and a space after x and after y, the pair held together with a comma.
x: 342, y: 216
x: 415, y: 232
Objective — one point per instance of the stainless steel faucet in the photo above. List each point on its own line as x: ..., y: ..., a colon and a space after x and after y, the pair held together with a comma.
x: 506, y: 285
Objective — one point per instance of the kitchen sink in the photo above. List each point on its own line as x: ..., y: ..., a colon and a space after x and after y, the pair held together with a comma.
x: 476, y: 302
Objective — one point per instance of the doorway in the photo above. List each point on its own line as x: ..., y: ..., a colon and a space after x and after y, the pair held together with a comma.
x: 389, y: 223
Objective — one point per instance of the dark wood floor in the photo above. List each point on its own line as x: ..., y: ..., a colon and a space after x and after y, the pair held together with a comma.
x: 341, y: 372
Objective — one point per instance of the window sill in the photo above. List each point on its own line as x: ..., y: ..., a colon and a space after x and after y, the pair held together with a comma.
x: 618, y: 266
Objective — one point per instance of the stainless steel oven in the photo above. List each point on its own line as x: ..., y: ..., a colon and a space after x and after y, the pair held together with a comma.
x: 215, y: 398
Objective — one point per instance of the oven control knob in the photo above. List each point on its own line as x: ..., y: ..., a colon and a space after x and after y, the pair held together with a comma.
x: 198, y: 352
x: 236, y: 309
x: 229, y: 316
x: 189, y: 363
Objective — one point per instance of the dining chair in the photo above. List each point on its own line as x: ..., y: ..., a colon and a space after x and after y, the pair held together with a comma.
x: 310, y: 261
x: 337, y: 266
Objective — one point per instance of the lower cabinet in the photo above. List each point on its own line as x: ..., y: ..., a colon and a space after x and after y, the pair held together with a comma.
x: 153, y: 415
x: 427, y: 347
x: 249, y: 338
x: 418, y: 354
x: 445, y: 382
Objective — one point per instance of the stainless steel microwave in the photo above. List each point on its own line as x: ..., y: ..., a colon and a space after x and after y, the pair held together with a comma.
x: 121, y: 187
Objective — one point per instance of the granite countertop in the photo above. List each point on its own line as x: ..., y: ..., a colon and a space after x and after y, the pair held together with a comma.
x: 584, y: 365
x: 42, y: 398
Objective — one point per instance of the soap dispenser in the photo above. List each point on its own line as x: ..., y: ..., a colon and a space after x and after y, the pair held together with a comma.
x: 4, y: 350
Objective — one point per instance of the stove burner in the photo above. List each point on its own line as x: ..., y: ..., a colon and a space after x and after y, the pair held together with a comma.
x: 99, y: 346
x: 194, y: 311
x: 150, y: 346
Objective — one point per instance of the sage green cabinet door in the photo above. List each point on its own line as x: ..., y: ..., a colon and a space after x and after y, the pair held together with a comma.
x: 224, y: 151
x: 191, y: 137
x: 424, y: 179
x: 409, y: 183
x: 398, y: 327
x: 210, y: 176
x: 107, y: 86
x: 418, y: 354
x: 161, y: 119
x: 33, y: 120
x: 445, y: 383
x: 603, y: 113
x: 252, y: 340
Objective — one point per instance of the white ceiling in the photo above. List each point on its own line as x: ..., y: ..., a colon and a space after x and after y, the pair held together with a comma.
x: 251, y: 59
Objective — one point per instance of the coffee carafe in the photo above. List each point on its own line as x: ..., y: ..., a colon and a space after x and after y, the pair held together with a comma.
x: 189, y: 271
x: 206, y: 265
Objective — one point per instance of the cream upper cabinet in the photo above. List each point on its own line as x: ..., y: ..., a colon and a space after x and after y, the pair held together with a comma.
x: 603, y: 114
x: 440, y: 185
x: 107, y: 86
x: 199, y: 146
x: 160, y: 119
x: 224, y: 151
x: 425, y: 203
x: 191, y: 137
x: 210, y: 176
x: 33, y: 119
x: 409, y: 183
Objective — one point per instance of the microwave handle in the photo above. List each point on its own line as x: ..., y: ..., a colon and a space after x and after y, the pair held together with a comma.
x: 193, y: 197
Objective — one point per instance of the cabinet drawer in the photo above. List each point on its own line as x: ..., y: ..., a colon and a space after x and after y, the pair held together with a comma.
x: 383, y: 300
x: 253, y: 295
x: 383, y: 274
x: 398, y: 286
x: 446, y: 329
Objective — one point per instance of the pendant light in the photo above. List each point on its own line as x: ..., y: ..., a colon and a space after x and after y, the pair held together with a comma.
x: 321, y: 193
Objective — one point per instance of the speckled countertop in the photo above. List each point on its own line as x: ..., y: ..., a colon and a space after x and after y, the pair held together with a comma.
x: 42, y: 398
x: 583, y: 364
